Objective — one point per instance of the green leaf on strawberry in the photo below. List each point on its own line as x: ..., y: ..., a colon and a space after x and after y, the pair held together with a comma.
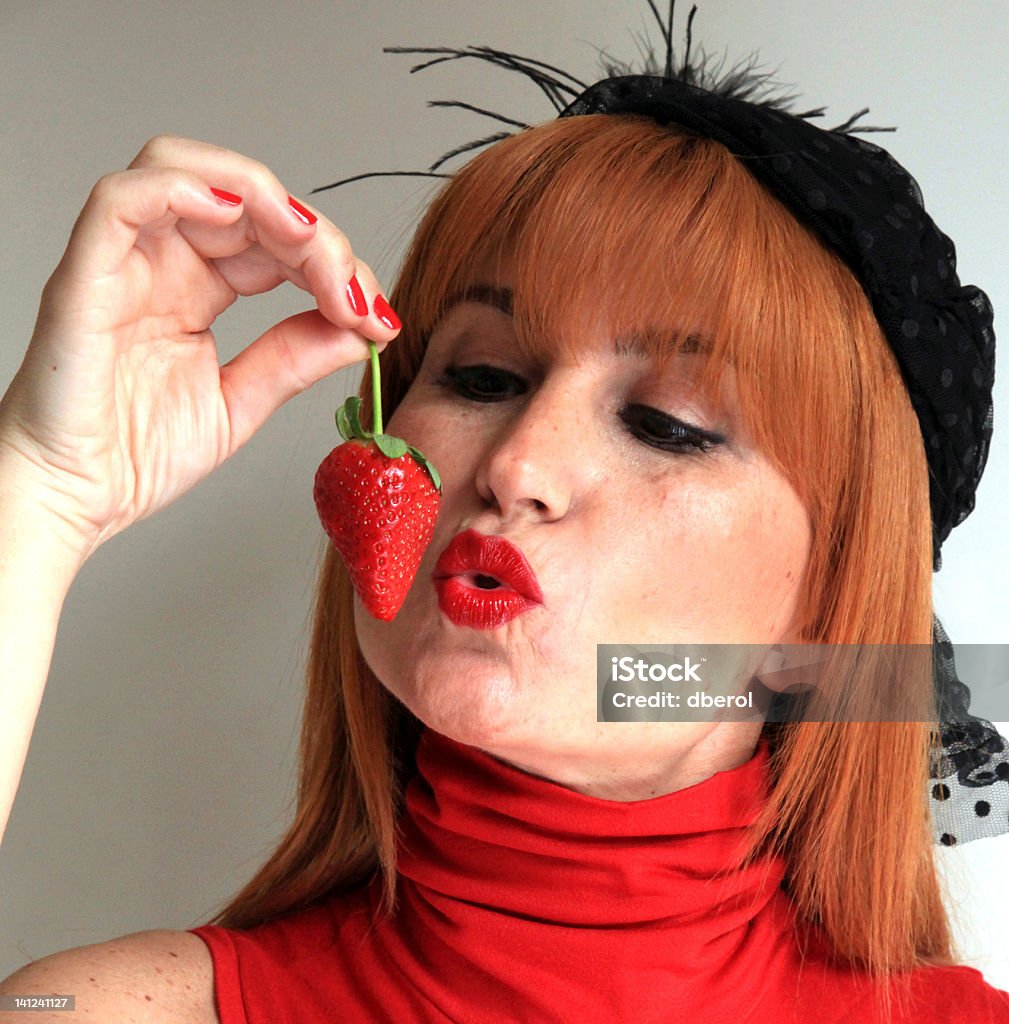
x: 393, y: 447
x: 421, y: 458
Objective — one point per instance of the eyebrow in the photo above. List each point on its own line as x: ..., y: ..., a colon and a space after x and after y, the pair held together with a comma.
x: 501, y: 298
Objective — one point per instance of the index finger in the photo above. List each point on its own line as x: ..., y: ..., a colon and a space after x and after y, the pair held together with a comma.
x: 310, y: 250
x: 266, y: 200
x: 119, y: 207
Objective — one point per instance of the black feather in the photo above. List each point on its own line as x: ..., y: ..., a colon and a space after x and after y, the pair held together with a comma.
x: 745, y: 80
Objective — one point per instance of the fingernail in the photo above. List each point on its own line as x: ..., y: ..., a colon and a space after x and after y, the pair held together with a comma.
x: 305, y: 216
x: 227, y: 198
x: 386, y: 314
x: 355, y: 295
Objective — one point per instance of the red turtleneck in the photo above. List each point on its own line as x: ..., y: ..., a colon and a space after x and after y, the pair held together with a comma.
x: 520, y: 900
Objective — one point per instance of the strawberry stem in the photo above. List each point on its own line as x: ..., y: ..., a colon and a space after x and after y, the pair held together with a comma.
x: 348, y: 422
x: 376, y: 389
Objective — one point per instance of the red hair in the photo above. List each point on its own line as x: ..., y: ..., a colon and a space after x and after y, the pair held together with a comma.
x: 624, y: 225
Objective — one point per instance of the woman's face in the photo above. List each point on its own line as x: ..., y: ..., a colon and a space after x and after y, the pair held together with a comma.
x: 638, y: 531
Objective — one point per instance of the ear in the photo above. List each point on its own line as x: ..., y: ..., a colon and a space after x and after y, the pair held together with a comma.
x: 790, y: 666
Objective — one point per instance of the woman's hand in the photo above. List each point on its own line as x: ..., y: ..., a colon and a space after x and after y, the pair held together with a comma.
x: 120, y: 405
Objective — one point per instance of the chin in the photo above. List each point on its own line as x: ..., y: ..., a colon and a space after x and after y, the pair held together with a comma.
x: 480, y: 708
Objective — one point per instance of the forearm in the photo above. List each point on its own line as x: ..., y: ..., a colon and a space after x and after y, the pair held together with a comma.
x: 36, y: 571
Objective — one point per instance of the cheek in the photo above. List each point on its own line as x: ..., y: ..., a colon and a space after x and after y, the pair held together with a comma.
x: 435, y: 430
x: 731, y: 555
x: 757, y: 521
x: 699, y: 523
x: 406, y: 422
x: 769, y: 550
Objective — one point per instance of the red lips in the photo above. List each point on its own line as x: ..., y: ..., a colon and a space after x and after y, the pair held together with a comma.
x: 484, y: 581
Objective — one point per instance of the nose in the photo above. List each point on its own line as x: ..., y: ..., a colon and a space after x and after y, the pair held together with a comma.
x: 538, y: 463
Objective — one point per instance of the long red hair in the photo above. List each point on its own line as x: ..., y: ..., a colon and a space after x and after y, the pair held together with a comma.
x: 619, y: 223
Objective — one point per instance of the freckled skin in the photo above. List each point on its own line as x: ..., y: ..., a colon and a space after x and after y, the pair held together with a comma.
x: 630, y: 544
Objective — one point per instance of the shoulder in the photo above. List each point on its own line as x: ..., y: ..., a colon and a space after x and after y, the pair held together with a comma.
x: 935, y: 995
x: 160, y: 977
x: 975, y: 998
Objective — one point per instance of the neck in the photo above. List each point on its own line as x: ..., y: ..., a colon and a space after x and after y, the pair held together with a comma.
x: 480, y: 833
x: 664, y: 758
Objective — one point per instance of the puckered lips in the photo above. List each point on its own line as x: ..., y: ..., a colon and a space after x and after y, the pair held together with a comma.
x: 484, y: 581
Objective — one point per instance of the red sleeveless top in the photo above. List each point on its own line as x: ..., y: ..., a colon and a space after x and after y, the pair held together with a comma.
x: 521, y: 900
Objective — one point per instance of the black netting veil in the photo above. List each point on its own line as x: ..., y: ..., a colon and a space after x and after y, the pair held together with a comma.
x: 969, y: 773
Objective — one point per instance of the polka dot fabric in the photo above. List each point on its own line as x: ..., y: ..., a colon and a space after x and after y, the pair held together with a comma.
x: 969, y: 794
x: 958, y: 815
x: 868, y: 209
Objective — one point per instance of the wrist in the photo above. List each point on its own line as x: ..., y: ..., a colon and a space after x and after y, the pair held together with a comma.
x: 33, y: 528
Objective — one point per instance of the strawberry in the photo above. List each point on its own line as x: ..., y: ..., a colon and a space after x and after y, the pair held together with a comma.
x: 377, y: 498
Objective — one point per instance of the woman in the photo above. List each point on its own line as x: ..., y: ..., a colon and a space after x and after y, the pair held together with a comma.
x: 511, y: 743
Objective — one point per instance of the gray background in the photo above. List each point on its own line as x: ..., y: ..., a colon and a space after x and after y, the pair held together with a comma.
x: 161, y: 771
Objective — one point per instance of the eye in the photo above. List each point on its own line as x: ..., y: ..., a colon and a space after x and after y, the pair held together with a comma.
x: 668, y: 433
x: 481, y: 383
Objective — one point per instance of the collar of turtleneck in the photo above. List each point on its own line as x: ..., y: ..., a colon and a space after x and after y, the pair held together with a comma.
x: 483, y: 838
x: 520, y: 900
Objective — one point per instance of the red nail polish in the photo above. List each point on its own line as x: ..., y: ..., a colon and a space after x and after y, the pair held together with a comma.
x: 228, y: 198
x: 305, y: 216
x: 355, y: 295
x: 386, y: 314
